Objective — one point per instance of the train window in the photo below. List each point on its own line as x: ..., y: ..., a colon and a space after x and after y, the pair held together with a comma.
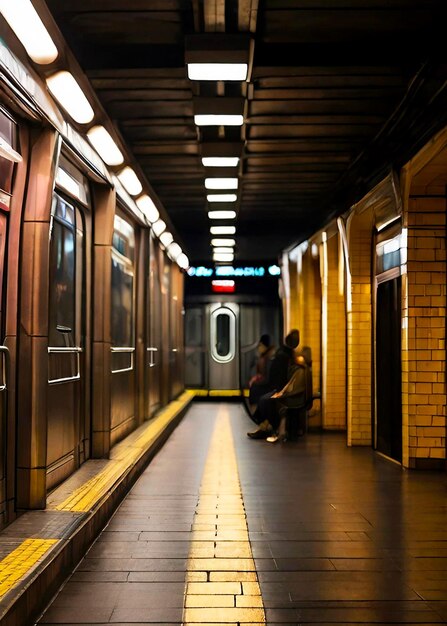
x: 70, y: 179
x: 123, y: 254
x: 65, y: 292
x: 8, y: 156
x: 62, y: 285
x: 223, y: 330
x: 222, y: 335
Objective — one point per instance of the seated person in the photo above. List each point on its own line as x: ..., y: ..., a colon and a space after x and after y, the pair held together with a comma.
x: 292, y: 396
x: 278, y: 376
x: 258, y: 384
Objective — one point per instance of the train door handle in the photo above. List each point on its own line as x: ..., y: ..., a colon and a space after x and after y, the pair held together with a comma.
x: 6, y: 367
x: 151, y: 356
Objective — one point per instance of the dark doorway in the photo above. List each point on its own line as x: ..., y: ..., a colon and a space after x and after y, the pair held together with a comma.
x: 388, y: 369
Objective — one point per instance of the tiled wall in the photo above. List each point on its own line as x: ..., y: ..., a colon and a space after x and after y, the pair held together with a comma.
x: 423, y: 350
x: 359, y: 331
x: 334, y: 401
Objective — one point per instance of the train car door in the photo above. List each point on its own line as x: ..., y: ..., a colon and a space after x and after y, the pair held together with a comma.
x: 176, y: 333
x: 8, y: 158
x: 388, y: 366
x: 3, y: 381
x: 123, y: 396
x: 224, y: 353
x: 68, y: 432
x: 153, y: 348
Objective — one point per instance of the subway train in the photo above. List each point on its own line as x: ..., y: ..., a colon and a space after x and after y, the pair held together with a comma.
x: 226, y: 311
x: 91, y: 302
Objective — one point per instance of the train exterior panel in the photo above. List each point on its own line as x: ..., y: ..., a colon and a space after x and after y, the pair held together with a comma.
x: 91, y: 315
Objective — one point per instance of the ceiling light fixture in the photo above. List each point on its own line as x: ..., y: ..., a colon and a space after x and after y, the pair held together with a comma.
x: 166, y: 238
x: 221, y: 215
x: 68, y: 93
x: 24, y: 20
x: 158, y: 227
x: 217, y: 71
x: 225, y: 258
x: 220, y: 161
x: 174, y: 251
x: 130, y: 181
x: 221, y: 197
x: 223, y: 230
x: 105, y: 146
x: 147, y: 206
x: 223, y: 242
x: 221, y: 183
x: 218, y: 120
x: 183, y: 261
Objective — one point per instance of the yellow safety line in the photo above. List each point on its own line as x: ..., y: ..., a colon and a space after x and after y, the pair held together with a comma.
x: 18, y: 562
x: 219, y: 392
x: 222, y: 584
x: 123, y: 457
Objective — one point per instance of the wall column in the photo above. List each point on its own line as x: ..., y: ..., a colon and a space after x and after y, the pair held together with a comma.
x: 333, y: 338
x: 359, y: 329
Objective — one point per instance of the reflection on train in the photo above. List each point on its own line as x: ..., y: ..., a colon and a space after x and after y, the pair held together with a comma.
x: 222, y: 329
x: 91, y: 310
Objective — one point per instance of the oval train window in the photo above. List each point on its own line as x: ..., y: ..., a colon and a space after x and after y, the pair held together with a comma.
x: 223, y: 330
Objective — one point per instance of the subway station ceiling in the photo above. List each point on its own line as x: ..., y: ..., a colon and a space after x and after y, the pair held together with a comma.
x: 339, y: 92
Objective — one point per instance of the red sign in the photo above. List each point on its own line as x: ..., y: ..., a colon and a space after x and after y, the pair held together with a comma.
x: 223, y: 286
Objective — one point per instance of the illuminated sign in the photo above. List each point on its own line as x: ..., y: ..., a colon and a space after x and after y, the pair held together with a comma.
x: 230, y: 271
x: 223, y: 286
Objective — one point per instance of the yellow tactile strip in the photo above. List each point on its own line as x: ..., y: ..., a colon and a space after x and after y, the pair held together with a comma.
x: 122, y: 457
x: 18, y: 562
x: 222, y: 582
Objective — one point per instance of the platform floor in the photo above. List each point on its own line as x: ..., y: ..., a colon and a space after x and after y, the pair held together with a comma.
x: 221, y: 529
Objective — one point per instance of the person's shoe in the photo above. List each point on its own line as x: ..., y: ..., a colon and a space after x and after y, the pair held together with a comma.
x: 259, y: 433
x: 275, y: 438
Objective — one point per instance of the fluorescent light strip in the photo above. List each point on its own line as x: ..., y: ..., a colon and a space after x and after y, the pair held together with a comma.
x: 221, y: 215
x: 223, y: 250
x: 105, y: 146
x: 223, y: 257
x: 223, y: 230
x: 218, y: 120
x: 221, y: 197
x: 220, y: 161
x: 223, y: 242
x: 217, y: 71
x: 68, y: 93
x: 146, y: 205
x: 24, y: 20
x: 221, y: 183
x: 130, y: 181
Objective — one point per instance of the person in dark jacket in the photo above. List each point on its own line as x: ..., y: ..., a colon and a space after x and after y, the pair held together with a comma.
x: 277, y: 379
x: 258, y: 384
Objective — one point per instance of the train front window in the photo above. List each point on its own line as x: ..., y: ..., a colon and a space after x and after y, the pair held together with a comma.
x: 222, y: 335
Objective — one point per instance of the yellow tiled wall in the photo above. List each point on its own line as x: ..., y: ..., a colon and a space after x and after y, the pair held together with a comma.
x: 423, y: 348
x: 310, y: 319
x: 334, y: 343
x: 359, y: 330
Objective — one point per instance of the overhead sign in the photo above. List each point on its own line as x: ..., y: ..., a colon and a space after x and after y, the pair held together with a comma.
x: 229, y: 270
